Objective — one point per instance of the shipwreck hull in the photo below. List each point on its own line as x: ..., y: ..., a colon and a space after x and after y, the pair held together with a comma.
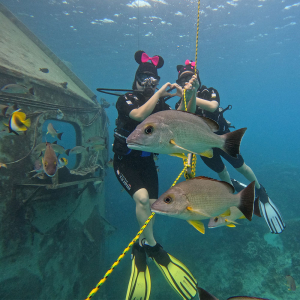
x: 52, y: 229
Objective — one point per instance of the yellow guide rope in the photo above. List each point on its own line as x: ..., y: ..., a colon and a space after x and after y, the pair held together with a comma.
x: 186, y: 165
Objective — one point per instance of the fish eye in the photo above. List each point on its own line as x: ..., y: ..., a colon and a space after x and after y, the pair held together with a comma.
x: 216, y: 219
x: 46, y: 164
x: 168, y: 200
x: 54, y: 163
x: 149, y: 129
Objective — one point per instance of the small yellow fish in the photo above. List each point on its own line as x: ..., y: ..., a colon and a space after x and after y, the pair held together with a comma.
x: 62, y: 162
x: 3, y: 165
x: 18, y: 122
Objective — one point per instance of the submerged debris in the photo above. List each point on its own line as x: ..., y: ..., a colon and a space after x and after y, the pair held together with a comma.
x: 104, y: 103
x: 64, y: 84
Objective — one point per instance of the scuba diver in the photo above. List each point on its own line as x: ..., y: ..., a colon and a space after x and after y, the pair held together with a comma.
x: 136, y: 171
x: 208, y: 105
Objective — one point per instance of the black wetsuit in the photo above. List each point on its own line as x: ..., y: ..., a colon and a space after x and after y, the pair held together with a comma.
x: 134, y: 169
x: 215, y: 163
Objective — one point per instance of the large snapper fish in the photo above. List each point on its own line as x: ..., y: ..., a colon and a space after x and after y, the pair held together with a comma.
x: 202, y: 198
x: 172, y: 131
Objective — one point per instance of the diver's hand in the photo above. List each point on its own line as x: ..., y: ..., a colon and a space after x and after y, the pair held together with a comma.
x: 193, y: 84
x: 163, y: 90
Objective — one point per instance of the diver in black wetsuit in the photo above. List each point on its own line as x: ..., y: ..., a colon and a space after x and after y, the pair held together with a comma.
x: 136, y: 171
x: 208, y: 102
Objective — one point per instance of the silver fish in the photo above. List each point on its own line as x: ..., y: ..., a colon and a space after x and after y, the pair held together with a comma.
x: 17, y: 89
x: 42, y: 146
x: 172, y: 131
x: 53, y: 132
x: 96, y: 140
x: 77, y: 150
x: 228, y: 221
x: 202, y: 198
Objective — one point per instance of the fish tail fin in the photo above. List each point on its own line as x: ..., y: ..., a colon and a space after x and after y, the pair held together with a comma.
x: 67, y: 151
x: 27, y: 123
x: 31, y: 91
x: 247, y: 196
x: 4, y: 110
x: 232, y: 141
x: 59, y: 135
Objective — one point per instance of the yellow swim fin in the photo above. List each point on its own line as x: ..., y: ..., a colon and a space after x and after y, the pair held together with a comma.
x: 139, y: 286
x: 176, y: 273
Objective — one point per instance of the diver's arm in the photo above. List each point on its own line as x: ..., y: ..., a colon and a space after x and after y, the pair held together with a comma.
x: 141, y: 113
x: 191, y: 88
x: 207, y: 105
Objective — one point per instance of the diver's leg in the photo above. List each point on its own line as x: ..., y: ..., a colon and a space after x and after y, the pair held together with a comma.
x: 247, y: 172
x: 143, y: 205
x: 224, y: 175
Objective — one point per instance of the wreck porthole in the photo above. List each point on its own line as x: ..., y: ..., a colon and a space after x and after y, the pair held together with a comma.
x: 67, y: 139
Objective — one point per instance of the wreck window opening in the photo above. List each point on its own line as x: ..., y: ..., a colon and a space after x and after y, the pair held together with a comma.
x: 68, y: 139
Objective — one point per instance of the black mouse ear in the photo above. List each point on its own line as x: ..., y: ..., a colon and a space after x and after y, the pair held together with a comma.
x: 160, y: 62
x: 138, y: 56
x: 179, y: 67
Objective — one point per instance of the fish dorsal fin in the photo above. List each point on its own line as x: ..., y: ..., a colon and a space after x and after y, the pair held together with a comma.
x: 179, y: 147
x: 228, y: 185
x: 198, y: 225
x: 226, y: 213
x: 213, y: 125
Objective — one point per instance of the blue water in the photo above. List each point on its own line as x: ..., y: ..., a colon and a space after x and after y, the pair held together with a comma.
x: 249, y: 52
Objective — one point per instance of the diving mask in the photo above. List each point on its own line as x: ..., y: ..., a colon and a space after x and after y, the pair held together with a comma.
x: 146, y: 80
x: 184, y: 79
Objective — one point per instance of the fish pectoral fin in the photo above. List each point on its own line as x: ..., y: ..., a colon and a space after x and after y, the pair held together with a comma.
x: 6, y: 125
x: 198, y: 225
x: 231, y: 222
x: 180, y: 155
x: 231, y: 225
x: 179, y: 147
x: 226, y: 213
x: 199, y: 212
x: 208, y: 153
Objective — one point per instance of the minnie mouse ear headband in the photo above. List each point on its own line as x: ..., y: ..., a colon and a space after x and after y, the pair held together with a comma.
x: 189, y: 67
x: 148, y: 67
